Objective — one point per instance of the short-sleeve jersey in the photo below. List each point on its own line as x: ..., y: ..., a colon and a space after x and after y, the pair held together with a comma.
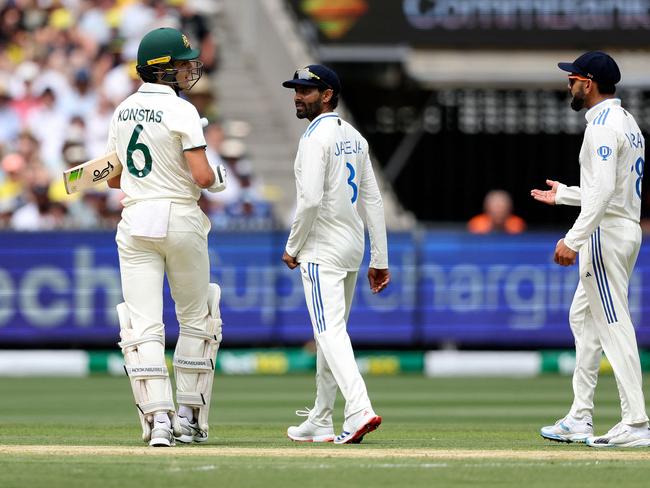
x: 150, y: 130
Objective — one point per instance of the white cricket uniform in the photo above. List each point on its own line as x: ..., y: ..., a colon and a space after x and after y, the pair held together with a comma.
x: 607, y: 236
x: 337, y: 191
x: 162, y: 230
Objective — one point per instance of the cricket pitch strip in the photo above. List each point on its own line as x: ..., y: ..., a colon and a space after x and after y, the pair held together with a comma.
x: 351, y: 452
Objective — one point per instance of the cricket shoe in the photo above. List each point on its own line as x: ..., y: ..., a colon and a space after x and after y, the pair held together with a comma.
x: 190, y: 432
x: 569, y: 429
x: 161, y: 435
x: 357, y: 426
x: 622, y: 435
x: 308, y: 431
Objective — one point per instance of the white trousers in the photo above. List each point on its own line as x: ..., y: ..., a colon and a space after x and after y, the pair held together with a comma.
x: 183, y: 256
x: 329, y: 292
x: 600, y: 320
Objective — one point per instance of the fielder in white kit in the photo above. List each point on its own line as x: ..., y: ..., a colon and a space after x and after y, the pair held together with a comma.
x: 607, y: 236
x: 159, y: 139
x: 337, y: 191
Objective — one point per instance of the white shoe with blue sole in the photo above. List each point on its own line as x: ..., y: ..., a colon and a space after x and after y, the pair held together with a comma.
x: 569, y: 429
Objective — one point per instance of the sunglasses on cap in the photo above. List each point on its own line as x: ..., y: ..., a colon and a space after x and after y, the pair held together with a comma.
x: 305, y: 74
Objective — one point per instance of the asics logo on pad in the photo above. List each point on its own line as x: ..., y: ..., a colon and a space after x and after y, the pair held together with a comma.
x: 604, y: 152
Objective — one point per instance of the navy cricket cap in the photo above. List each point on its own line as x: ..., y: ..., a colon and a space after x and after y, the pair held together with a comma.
x: 315, y: 75
x: 595, y: 65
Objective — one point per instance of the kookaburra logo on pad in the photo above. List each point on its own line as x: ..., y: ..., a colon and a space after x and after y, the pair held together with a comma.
x: 604, y: 152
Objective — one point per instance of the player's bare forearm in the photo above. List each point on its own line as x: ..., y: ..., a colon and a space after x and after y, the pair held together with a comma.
x: 200, y: 169
x: 378, y: 279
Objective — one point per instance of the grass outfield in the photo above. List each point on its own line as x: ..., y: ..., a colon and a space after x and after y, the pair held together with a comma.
x: 437, y: 432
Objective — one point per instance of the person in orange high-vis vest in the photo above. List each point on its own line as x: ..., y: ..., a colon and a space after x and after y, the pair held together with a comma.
x: 497, y: 216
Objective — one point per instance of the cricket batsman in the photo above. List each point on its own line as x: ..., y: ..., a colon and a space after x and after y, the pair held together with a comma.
x: 607, y: 236
x: 159, y: 139
x: 337, y: 192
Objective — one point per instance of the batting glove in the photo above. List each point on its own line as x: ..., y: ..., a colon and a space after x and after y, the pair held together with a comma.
x: 219, y: 179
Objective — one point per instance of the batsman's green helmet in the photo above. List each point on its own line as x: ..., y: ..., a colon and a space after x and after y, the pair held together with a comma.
x: 165, y: 45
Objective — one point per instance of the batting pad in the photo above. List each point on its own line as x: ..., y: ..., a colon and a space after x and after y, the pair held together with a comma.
x: 195, y: 358
x: 141, y: 370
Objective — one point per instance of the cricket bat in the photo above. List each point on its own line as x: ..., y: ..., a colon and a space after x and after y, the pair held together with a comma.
x: 91, y: 173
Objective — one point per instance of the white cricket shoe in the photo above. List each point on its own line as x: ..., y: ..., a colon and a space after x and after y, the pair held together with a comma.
x: 622, y: 435
x: 569, y: 429
x: 357, y: 426
x: 161, y: 435
x: 190, y: 432
x: 308, y: 431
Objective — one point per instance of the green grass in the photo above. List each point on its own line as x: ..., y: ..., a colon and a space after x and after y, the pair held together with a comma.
x: 253, y: 412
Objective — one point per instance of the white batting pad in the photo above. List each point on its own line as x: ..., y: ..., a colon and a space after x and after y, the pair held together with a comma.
x: 195, y: 359
x: 145, y: 371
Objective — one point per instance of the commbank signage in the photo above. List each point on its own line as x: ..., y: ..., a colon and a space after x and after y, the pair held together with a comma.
x: 479, y: 23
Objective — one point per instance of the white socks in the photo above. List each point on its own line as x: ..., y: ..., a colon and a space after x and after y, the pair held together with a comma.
x: 183, y: 411
x: 187, y: 412
x: 162, y: 418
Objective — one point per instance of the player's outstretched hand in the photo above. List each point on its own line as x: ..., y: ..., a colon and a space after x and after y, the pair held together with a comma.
x: 290, y: 261
x: 564, y: 255
x: 546, y: 196
x: 378, y: 278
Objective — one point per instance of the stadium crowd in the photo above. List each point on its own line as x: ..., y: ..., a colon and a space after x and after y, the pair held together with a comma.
x: 64, y: 67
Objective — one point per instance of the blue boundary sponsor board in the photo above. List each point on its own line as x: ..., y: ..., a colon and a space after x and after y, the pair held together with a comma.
x: 448, y: 287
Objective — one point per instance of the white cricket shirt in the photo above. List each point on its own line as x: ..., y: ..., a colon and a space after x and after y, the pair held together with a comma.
x: 336, y: 190
x: 150, y: 130
x: 611, y: 170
